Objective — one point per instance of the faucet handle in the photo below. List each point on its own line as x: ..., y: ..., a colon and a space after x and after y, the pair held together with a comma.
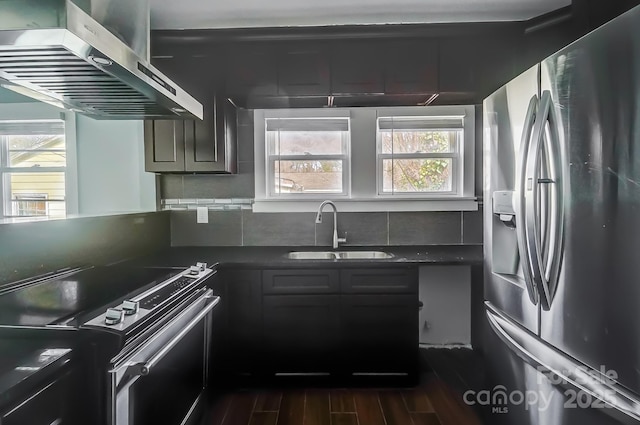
x: 343, y: 240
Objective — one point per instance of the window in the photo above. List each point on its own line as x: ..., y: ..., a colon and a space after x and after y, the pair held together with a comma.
x: 307, y: 157
x: 30, y: 204
x: 419, y: 155
x: 33, y: 164
x: 419, y: 158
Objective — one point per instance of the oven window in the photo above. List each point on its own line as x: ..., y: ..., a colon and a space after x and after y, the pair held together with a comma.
x: 168, y: 392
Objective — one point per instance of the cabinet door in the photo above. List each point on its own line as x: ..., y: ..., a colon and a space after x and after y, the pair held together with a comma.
x: 47, y: 405
x: 300, y: 281
x: 210, y: 144
x: 303, y: 71
x: 301, y: 333
x: 244, y: 313
x: 380, y: 333
x: 380, y: 281
x: 356, y: 69
x: 251, y: 72
x: 163, y: 146
x: 411, y: 67
x: 459, y: 69
x: 205, y: 146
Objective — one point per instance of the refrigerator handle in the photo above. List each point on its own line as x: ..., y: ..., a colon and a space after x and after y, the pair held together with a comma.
x: 566, y: 372
x: 520, y: 204
x: 545, y: 273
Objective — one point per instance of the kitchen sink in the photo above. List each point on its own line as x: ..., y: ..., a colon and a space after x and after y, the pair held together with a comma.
x: 338, y: 255
x: 364, y: 255
x: 311, y: 255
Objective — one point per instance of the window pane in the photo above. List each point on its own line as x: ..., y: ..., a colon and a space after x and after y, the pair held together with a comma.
x: 37, y: 151
x: 417, y: 175
x: 305, y: 142
x: 307, y: 177
x: 37, y: 194
x: 419, y: 141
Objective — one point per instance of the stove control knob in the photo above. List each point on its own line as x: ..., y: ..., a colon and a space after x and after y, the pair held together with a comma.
x: 201, y: 266
x: 194, y: 270
x: 114, y: 316
x: 130, y: 307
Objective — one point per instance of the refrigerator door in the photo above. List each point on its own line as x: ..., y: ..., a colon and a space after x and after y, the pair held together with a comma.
x: 509, y: 119
x: 559, y: 390
x: 595, y: 87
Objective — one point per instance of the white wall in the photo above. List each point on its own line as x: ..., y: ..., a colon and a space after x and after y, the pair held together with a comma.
x: 445, y: 318
x: 109, y: 156
x: 111, y: 176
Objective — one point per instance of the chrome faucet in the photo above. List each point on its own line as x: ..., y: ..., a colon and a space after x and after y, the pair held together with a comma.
x: 336, y: 239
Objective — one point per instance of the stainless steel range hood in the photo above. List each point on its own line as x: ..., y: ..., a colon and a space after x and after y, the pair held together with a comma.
x: 89, y: 56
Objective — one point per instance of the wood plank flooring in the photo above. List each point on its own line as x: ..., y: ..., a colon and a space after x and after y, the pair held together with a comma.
x: 432, y: 403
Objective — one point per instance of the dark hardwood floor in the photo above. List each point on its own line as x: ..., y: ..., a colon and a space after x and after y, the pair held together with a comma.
x: 433, y: 402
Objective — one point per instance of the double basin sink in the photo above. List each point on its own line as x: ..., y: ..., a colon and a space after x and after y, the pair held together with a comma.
x: 339, y: 255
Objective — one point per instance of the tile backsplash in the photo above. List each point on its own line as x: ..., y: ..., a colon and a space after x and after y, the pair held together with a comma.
x: 246, y: 228
x: 34, y: 248
x: 233, y: 223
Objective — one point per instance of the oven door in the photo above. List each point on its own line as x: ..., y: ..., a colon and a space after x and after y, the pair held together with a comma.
x: 163, y: 379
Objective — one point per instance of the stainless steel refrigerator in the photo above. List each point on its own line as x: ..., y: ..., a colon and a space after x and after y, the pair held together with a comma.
x: 562, y: 236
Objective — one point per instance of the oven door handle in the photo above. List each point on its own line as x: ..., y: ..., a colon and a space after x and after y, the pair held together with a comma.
x: 144, y: 368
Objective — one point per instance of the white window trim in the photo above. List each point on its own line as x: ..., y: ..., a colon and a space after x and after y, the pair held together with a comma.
x: 344, y: 157
x: 39, y: 111
x: 364, y: 196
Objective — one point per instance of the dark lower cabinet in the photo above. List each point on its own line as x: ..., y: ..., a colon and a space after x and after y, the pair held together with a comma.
x: 243, y: 345
x: 379, y: 281
x: 337, y: 321
x: 300, y: 281
x: 301, y: 333
x: 380, y: 334
x: 48, y: 404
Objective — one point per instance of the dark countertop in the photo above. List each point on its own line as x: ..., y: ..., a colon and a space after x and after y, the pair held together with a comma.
x: 261, y: 257
x: 24, y: 365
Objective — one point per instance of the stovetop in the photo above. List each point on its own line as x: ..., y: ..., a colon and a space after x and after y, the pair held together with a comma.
x: 63, y: 300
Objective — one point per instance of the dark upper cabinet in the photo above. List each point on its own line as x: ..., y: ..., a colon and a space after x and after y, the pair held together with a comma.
x: 459, y: 63
x: 410, y: 67
x: 164, y: 146
x: 303, y: 69
x: 372, y: 66
x: 205, y: 146
x: 251, y: 72
x: 471, y: 70
x: 355, y: 69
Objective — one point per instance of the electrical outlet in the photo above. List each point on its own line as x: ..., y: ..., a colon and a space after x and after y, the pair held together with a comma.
x: 202, y: 214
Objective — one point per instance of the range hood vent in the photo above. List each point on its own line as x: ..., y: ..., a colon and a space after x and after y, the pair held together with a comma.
x: 57, y: 52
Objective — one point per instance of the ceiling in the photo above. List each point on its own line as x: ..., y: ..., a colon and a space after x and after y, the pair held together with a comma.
x: 187, y: 14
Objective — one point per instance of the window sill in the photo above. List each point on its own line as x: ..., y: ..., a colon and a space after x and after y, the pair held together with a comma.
x: 368, y: 205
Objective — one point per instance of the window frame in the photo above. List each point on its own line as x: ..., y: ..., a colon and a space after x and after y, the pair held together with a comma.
x: 345, y: 157
x: 457, y: 157
x: 34, y: 112
x: 364, y: 194
x: 33, y: 197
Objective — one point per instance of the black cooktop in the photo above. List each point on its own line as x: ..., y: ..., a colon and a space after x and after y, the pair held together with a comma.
x: 61, y: 300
